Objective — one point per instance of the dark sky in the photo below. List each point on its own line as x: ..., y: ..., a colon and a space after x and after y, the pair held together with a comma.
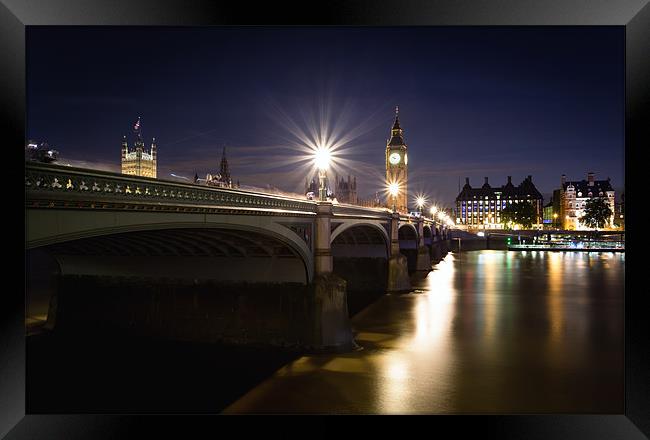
x: 474, y: 102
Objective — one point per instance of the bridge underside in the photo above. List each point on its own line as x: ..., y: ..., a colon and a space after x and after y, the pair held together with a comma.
x: 191, y: 253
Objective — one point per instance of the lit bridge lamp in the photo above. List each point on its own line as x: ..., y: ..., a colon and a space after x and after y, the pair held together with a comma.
x: 393, y: 190
x: 322, y: 159
x: 420, y: 201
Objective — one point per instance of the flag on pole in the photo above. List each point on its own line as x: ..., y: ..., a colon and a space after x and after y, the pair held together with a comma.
x: 137, y: 125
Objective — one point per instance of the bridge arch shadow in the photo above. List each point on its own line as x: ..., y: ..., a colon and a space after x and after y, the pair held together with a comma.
x: 189, y: 253
x: 360, y: 253
x: 408, y: 244
x: 428, y: 236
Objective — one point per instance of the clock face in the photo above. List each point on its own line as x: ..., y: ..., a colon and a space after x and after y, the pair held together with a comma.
x: 394, y: 158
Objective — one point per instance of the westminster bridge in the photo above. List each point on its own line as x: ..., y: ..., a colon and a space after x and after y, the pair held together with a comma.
x: 286, y: 264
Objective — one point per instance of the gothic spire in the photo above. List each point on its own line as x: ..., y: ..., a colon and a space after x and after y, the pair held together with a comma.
x: 396, y: 133
x: 138, y: 133
x: 396, y: 124
x: 224, y: 169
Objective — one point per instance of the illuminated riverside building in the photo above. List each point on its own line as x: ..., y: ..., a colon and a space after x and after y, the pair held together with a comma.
x: 139, y: 162
x: 397, y: 165
x: 574, y: 196
x: 480, y: 208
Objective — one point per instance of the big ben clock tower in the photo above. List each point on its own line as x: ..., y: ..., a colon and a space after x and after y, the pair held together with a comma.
x: 397, y: 165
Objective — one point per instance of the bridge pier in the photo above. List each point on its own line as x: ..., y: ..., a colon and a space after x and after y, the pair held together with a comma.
x: 423, y: 262
x: 331, y: 323
x: 398, y: 274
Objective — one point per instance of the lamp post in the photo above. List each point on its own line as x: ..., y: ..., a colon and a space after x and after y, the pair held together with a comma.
x: 420, y: 203
x: 433, y: 211
x: 393, y: 190
x: 322, y: 159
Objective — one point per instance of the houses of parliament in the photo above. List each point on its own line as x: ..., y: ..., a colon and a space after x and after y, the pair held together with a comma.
x: 139, y: 161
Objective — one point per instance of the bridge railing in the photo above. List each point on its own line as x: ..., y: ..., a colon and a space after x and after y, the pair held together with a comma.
x: 48, y: 182
x: 54, y: 185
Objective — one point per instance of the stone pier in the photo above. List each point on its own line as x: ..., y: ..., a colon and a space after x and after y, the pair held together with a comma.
x: 331, y: 329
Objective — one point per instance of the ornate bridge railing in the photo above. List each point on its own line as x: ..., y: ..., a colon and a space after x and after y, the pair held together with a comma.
x: 48, y: 185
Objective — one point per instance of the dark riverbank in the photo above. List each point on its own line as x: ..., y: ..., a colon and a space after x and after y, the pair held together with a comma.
x: 125, y: 374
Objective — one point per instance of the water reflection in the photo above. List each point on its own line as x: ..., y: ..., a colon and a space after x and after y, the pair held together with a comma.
x: 491, y: 332
x: 419, y: 365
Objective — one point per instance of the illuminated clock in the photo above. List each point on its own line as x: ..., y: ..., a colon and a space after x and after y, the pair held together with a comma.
x: 394, y: 158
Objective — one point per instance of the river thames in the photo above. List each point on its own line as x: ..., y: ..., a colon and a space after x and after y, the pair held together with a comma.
x: 485, y: 332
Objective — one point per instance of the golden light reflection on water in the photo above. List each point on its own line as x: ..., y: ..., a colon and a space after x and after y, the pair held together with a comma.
x: 406, y: 372
x: 495, y: 332
x: 555, y: 276
x: 490, y: 262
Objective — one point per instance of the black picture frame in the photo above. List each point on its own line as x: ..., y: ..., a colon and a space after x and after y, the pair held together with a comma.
x: 634, y: 15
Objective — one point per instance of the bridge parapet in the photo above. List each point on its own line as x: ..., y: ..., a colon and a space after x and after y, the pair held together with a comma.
x: 361, y: 212
x: 51, y: 185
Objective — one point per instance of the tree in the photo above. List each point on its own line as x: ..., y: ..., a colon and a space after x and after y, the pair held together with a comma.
x: 522, y: 214
x: 508, y: 215
x: 597, y: 213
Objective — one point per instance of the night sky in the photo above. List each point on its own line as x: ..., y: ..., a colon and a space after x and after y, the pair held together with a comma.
x: 473, y: 102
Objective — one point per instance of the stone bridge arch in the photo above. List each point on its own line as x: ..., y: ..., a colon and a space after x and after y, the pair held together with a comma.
x: 362, y: 233
x: 408, y: 244
x: 178, y: 279
x: 125, y: 231
x: 427, y: 234
x: 360, y: 252
x: 408, y: 236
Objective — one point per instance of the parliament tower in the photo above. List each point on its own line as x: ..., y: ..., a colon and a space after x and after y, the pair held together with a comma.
x: 139, y: 162
x: 397, y: 165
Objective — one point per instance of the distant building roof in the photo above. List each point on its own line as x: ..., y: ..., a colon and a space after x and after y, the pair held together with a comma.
x: 583, y: 186
x: 525, y: 190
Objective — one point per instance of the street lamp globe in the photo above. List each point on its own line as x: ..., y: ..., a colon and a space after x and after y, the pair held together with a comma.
x: 420, y: 202
x: 322, y: 158
x: 393, y: 190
